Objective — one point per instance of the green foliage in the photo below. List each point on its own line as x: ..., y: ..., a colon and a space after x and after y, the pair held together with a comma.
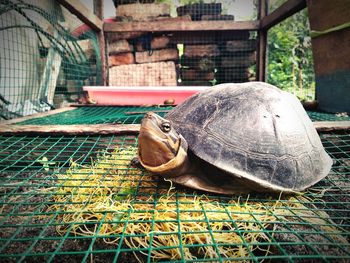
x: 290, y: 64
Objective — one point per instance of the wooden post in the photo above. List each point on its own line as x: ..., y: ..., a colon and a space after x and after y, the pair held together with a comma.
x: 262, y: 40
x: 77, y: 8
x: 98, y: 11
x: 330, y: 38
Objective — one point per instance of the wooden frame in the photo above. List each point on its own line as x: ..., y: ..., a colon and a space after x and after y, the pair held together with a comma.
x: 179, y: 26
x: 85, y: 129
x: 120, y: 129
x: 83, y: 13
x: 264, y: 22
x: 262, y: 25
x: 286, y: 10
x: 94, y: 21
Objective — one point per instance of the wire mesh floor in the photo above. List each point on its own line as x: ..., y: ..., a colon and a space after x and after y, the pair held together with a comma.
x: 48, y: 213
x: 97, y: 115
x: 79, y: 198
x: 132, y: 115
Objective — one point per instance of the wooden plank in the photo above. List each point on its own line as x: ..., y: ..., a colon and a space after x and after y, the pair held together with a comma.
x: 119, y: 46
x: 193, y: 74
x: 240, y: 45
x: 143, y: 12
x: 245, y: 59
x: 120, y: 129
x: 195, y: 37
x: 121, y: 59
x: 94, y: 129
x: 38, y: 115
x: 286, y: 10
x: 325, y: 14
x: 326, y: 60
x: 327, y: 126
x: 156, y: 43
x: 167, y: 54
x: 217, y: 17
x: 196, y: 11
x: 208, y: 37
x: 170, y: 26
x: 192, y: 51
x: 83, y: 13
x: 204, y: 64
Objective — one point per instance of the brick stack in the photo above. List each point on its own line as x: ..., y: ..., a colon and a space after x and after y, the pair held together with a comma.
x: 198, y: 62
x: 139, y: 59
x: 226, y: 58
x: 202, y: 11
x: 236, y: 58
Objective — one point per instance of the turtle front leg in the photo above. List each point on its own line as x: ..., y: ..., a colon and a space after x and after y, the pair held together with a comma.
x: 135, y: 162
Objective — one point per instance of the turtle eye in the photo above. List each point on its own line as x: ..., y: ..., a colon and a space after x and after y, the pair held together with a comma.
x: 165, y: 127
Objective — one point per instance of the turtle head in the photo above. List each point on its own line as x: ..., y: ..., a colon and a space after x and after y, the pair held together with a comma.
x: 161, y: 148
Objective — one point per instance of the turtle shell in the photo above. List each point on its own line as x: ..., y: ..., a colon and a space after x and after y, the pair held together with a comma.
x: 255, y: 131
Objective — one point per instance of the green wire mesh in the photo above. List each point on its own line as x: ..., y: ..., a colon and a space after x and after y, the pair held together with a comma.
x: 35, y: 172
x: 316, y: 229
x: 47, y: 55
x: 130, y: 115
x: 97, y: 115
x: 290, y: 59
x: 323, y: 116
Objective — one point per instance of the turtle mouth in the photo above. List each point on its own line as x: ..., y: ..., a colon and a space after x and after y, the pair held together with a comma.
x: 170, y: 168
x: 153, y: 150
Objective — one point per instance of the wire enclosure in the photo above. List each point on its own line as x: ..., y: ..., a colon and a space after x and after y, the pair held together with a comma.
x: 51, y: 207
x: 80, y: 198
x: 45, y: 57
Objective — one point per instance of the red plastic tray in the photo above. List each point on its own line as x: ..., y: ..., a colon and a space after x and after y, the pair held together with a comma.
x: 112, y: 95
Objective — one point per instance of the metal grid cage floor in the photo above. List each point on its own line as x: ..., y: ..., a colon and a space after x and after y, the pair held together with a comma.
x: 96, y: 115
x: 35, y: 201
x: 131, y: 115
x: 79, y: 198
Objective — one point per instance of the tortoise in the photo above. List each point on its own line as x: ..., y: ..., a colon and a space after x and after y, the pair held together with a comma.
x: 234, y: 139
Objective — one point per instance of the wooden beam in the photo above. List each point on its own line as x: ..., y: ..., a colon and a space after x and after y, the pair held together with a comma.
x: 98, y: 8
x: 86, y: 129
x: 327, y: 126
x: 170, y: 26
x: 83, y: 13
x: 286, y: 10
x: 207, y: 37
x: 120, y: 129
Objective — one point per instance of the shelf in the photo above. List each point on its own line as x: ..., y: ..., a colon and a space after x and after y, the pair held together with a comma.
x: 179, y: 26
